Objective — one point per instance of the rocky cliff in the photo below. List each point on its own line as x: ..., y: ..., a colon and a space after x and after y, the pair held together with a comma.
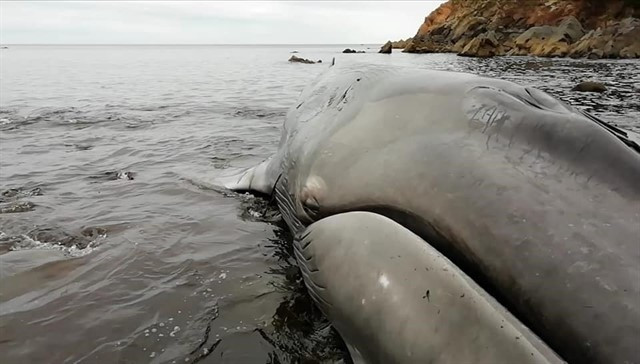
x: 401, y: 44
x: 547, y: 28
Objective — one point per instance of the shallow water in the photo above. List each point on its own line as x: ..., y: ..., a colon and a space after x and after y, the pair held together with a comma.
x: 115, y: 247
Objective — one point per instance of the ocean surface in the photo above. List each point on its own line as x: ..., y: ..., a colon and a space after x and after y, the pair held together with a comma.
x: 115, y: 247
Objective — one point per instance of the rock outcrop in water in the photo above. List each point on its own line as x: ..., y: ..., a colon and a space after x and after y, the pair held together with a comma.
x: 349, y: 50
x: 386, y: 48
x: 545, y: 28
x: 295, y: 59
x: 398, y: 44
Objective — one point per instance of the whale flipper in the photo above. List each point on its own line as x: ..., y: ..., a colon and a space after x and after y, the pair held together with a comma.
x: 398, y: 300
x: 257, y: 179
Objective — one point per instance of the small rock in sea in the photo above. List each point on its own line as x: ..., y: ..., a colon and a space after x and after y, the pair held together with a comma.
x: 349, y: 50
x: 300, y: 60
x: 319, y: 61
x: 294, y: 52
x: 386, y: 48
x: 589, y: 87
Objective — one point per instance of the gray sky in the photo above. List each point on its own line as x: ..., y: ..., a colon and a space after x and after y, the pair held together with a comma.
x: 209, y: 22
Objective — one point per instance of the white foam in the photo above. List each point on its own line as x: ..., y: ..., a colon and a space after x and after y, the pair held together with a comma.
x: 255, y: 214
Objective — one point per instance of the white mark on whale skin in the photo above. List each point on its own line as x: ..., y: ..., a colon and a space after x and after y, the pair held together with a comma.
x: 384, y: 281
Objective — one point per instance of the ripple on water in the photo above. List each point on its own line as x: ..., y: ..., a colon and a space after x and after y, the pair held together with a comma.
x: 257, y: 113
x: 80, y: 118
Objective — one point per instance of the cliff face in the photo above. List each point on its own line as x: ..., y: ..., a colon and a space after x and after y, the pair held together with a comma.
x: 551, y: 28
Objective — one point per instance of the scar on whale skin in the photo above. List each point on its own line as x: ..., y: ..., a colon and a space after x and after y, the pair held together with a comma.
x: 312, y: 193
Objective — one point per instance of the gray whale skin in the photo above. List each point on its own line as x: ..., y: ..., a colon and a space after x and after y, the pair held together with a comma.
x: 449, y: 218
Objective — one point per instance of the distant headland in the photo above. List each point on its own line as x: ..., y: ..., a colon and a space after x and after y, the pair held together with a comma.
x: 546, y: 28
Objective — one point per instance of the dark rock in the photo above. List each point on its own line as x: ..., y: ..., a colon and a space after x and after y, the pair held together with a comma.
x: 589, y: 87
x: 386, y: 48
x: 300, y: 60
x: 349, y: 50
x: 319, y: 61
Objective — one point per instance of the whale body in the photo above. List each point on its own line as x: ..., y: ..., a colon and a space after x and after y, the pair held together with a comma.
x: 445, y: 217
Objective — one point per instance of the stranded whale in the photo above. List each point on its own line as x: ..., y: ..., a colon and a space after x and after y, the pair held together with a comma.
x: 417, y: 197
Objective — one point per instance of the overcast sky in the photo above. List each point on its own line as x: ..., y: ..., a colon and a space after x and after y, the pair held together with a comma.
x: 209, y: 22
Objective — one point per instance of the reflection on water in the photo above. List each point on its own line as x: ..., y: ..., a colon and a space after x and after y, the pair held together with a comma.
x: 301, y: 334
x: 114, y: 247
